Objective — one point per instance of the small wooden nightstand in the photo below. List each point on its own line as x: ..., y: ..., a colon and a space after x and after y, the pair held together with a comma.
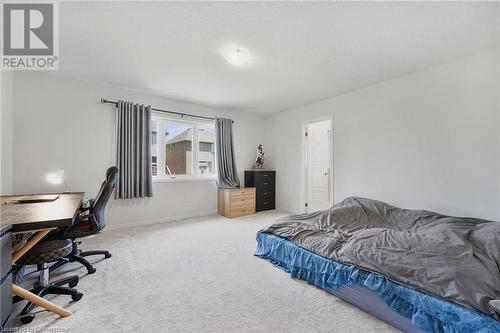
x: 236, y: 202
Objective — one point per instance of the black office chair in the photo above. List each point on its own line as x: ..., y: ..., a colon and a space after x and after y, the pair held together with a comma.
x: 41, y: 255
x: 90, y: 221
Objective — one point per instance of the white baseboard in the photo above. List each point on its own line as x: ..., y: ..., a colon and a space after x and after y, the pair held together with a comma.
x: 161, y: 220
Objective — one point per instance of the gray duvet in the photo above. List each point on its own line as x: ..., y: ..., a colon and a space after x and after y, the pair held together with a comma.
x: 455, y: 258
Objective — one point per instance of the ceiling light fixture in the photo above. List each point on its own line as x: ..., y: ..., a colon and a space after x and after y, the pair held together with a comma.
x: 236, y: 55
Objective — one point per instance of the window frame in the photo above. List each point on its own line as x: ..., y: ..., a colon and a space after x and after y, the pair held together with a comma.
x: 161, y: 176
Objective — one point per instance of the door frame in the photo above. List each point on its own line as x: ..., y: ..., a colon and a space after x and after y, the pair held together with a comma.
x: 303, y: 167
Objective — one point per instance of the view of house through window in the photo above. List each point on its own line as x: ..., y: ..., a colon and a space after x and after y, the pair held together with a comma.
x: 206, y: 157
x: 182, y: 148
x: 178, y: 147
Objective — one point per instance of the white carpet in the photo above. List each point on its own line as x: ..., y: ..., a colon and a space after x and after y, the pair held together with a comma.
x: 192, y: 276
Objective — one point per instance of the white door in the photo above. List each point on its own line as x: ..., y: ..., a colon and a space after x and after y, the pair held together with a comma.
x: 318, y: 171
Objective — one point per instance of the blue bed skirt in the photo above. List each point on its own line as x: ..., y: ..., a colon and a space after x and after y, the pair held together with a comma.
x: 425, y: 311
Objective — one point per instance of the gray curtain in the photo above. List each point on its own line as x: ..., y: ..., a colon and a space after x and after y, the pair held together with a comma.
x: 227, y: 175
x: 133, y: 151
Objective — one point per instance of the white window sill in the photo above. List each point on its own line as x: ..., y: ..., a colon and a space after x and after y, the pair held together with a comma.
x: 182, y: 179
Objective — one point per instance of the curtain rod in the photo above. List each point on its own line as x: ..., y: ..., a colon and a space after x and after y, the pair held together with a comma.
x: 105, y: 101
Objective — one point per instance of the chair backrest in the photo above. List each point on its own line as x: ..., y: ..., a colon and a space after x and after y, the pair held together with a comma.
x: 102, y: 198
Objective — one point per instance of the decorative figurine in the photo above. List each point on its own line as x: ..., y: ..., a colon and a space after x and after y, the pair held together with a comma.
x: 259, y: 162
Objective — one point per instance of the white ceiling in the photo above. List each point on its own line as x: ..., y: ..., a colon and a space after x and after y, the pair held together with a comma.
x: 303, y: 51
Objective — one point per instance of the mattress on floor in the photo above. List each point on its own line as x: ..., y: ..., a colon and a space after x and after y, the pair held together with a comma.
x: 425, y: 311
x: 453, y: 258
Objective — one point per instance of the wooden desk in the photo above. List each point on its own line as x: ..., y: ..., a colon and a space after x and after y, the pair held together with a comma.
x: 39, y: 218
x: 41, y: 215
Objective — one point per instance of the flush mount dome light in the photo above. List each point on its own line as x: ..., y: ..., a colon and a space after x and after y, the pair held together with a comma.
x: 236, y: 55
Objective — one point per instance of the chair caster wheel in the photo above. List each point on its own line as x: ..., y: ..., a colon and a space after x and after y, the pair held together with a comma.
x: 91, y: 270
x: 76, y: 297
x: 107, y: 255
x: 27, y: 318
x: 73, y: 284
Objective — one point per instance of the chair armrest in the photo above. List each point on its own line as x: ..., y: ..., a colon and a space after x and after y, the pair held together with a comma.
x: 84, y: 209
x: 87, y: 218
x: 85, y: 206
x: 89, y: 203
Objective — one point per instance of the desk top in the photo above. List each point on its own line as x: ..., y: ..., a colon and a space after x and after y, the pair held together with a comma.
x: 39, y: 215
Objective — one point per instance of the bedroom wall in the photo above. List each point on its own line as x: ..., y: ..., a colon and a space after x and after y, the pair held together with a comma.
x: 7, y: 137
x: 426, y: 140
x: 59, y: 123
x: 498, y: 108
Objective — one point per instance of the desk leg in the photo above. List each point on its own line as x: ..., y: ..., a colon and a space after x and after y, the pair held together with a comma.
x: 25, y: 294
x: 29, y: 244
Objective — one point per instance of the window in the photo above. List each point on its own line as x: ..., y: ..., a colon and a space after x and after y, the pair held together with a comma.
x: 206, y: 157
x: 182, y: 149
x: 154, y: 149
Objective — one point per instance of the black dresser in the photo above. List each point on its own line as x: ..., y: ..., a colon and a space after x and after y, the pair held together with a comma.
x: 264, y: 182
x: 5, y: 278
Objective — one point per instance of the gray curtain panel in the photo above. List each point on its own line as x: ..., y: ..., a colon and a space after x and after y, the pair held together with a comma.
x: 227, y: 175
x: 133, y: 151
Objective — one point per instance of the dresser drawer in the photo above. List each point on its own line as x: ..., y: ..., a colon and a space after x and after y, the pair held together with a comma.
x: 264, y: 184
x: 241, y: 211
x: 5, y: 254
x: 242, y: 192
x: 243, y: 201
x: 264, y: 175
x: 265, y: 200
x: 6, y: 299
x: 265, y: 205
x: 265, y: 192
x: 259, y: 178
